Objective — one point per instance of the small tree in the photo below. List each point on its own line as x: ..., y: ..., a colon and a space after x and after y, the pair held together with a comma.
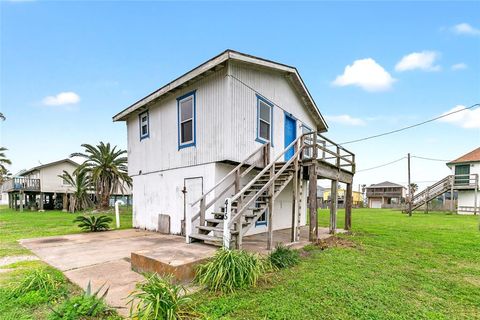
x: 81, y: 183
x: 107, y: 167
x: 413, y: 189
x: 4, y: 161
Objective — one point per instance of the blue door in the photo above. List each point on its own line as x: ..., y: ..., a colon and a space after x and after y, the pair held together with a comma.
x: 290, y: 135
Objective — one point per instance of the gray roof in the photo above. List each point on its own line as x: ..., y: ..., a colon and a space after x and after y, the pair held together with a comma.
x: 216, y: 61
x: 25, y: 172
x: 386, y: 184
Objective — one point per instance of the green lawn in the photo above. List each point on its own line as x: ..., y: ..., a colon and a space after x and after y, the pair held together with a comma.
x: 16, y: 225
x: 423, y: 267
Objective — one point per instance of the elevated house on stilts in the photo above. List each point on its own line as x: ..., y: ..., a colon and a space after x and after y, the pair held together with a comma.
x: 231, y: 149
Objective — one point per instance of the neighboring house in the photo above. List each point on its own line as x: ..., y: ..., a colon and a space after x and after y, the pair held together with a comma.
x: 466, y: 171
x: 385, y: 195
x: 357, y: 198
x: 41, y: 188
x: 197, y: 147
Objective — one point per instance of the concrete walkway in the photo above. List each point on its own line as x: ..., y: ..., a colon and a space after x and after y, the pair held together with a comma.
x: 104, y: 257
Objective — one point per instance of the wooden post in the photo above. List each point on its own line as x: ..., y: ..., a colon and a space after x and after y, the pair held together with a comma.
x: 410, y: 198
x: 475, y: 205
x: 333, y: 207
x: 202, y: 212
x: 426, y: 200
x: 22, y: 199
x: 239, y: 224
x: 40, y: 202
x: 271, y: 204
x: 452, y: 190
x: 312, y: 202
x: 348, y: 207
x: 294, y: 195
x: 300, y: 193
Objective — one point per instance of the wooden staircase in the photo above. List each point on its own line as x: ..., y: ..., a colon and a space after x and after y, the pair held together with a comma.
x: 249, y: 190
x: 212, y: 232
x: 432, y: 192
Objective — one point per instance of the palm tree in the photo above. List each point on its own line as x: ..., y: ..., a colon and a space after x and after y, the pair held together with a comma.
x: 2, y: 117
x: 107, y: 167
x: 81, y: 183
x: 413, y: 189
x: 3, y: 160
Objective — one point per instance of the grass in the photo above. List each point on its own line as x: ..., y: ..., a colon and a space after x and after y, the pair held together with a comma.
x: 16, y: 225
x: 36, y: 304
x: 423, y: 267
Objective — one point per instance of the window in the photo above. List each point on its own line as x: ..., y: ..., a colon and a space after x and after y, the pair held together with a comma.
x: 186, y: 120
x: 262, y: 221
x: 144, y: 125
x: 264, y: 120
x: 462, y: 174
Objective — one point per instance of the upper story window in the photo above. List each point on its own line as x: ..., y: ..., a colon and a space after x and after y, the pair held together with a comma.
x: 462, y: 174
x: 144, y: 125
x: 264, y: 120
x: 186, y: 120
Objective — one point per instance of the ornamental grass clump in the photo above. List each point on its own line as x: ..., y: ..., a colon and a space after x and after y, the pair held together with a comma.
x: 93, y: 223
x: 283, y: 257
x: 158, y: 298
x: 230, y: 270
x: 39, y: 286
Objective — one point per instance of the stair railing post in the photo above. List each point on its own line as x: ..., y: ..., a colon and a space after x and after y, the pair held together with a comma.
x: 426, y: 199
x: 295, y: 193
x: 338, y: 157
x: 239, y: 224
x: 202, y: 212
x: 226, y: 223
x: 271, y: 192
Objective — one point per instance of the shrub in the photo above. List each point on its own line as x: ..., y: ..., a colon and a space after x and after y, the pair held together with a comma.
x: 93, y: 223
x: 158, y: 298
x: 78, y: 307
x: 283, y: 257
x: 39, y: 286
x: 229, y: 270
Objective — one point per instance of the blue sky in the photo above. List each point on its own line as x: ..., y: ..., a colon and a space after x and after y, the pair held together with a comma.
x: 371, y: 67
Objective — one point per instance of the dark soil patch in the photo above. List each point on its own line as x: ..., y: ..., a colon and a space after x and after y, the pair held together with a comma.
x: 335, y: 241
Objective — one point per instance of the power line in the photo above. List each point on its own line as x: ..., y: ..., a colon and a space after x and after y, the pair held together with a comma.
x: 431, y: 159
x: 411, y: 126
x: 382, y: 165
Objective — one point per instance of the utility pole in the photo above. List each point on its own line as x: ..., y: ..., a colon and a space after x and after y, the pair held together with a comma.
x: 409, y: 190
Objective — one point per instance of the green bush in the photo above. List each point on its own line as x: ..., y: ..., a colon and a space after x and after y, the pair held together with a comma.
x: 158, y: 298
x: 283, y: 257
x: 82, y: 306
x: 39, y: 286
x: 93, y: 223
x: 229, y: 270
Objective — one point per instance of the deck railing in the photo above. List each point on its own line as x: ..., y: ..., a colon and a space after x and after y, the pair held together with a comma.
x: 21, y: 184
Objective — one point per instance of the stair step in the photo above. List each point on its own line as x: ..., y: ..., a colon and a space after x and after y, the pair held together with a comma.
x: 214, y: 220
x: 208, y: 228
x: 207, y: 238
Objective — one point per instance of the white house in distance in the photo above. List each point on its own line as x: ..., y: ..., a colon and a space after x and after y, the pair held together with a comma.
x: 467, y: 170
x: 206, y: 136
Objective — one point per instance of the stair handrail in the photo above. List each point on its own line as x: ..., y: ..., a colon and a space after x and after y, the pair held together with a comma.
x: 269, y: 183
x: 431, y: 188
x: 232, y: 172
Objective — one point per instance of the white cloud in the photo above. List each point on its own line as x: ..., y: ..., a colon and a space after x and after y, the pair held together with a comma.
x: 458, y: 66
x: 424, y: 60
x: 465, y: 28
x: 468, y: 119
x: 366, y: 74
x: 63, y: 98
x: 346, y: 119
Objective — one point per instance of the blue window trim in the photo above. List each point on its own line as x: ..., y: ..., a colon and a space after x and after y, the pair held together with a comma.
x: 140, y: 125
x: 194, y: 142
x: 262, y: 223
x: 288, y: 115
x: 259, y: 139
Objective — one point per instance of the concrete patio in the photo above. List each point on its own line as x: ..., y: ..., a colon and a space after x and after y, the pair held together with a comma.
x: 105, y: 257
